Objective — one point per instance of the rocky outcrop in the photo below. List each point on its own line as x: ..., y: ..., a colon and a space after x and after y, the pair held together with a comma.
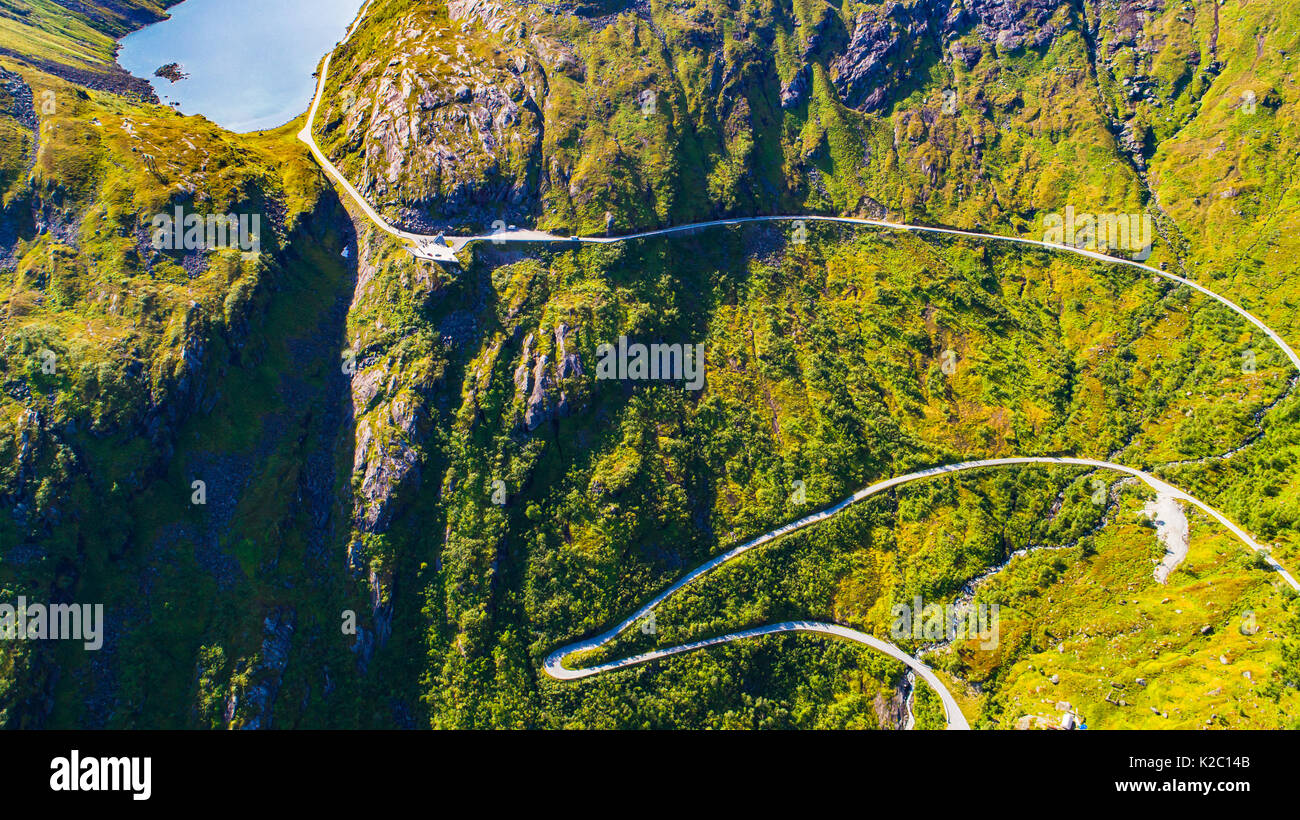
x: 891, y: 712
x: 968, y: 55
x: 570, y: 366
x: 442, y: 133
x: 172, y: 72
x: 543, y: 382
x: 29, y: 432
x: 259, y: 700
x: 794, y: 92
x: 861, y: 74
x: 560, y: 57
x: 540, y: 401
x: 383, y: 467
x: 890, y: 39
x: 1011, y: 23
x: 388, y: 419
x: 523, y: 373
x: 21, y: 104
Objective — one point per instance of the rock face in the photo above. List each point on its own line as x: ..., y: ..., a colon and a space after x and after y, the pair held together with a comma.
x: 543, y: 382
x: 891, y: 712
x: 21, y: 108
x: 890, y: 39
x: 21, y: 105
x: 258, y: 702
x: 968, y: 55
x: 391, y: 417
x: 794, y: 92
x: 570, y: 365
x: 540, y: 401
x: 383, y: 469
x: 523, y: 375
x: 861, y: 73
x: 384, y: 456
x: 443, y: 133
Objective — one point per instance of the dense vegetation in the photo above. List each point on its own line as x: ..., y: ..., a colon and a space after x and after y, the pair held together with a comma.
x: 473, y: 521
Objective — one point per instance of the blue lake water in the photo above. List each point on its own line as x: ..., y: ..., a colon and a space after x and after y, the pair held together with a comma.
x: 250, y: 61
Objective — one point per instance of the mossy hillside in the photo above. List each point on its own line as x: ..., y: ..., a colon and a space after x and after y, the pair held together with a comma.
x: 1130, y: 653
x: 1222, y: 166
x: 252, y: 446
x: 826, y: 366
x: 1058, y: 607
x: 141, y: 341
x: 925, y: 540
x: 93, y: 283
x: 84, y: 37
x: 1257, y: 486
x: 609, y: 505
x: 773, y: 682
x: 1218, y: 133
x: 654, y: 119
x: 615, y: 500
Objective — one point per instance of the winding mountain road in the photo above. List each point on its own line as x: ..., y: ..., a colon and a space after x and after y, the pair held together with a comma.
x: 554, y: 664
x: 444, y: 249
x: 441, y: 248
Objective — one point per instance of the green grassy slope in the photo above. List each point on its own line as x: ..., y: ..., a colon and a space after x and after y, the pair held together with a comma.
x: 80, y: 35
x: 469, y: 542
x: 129, y: 373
